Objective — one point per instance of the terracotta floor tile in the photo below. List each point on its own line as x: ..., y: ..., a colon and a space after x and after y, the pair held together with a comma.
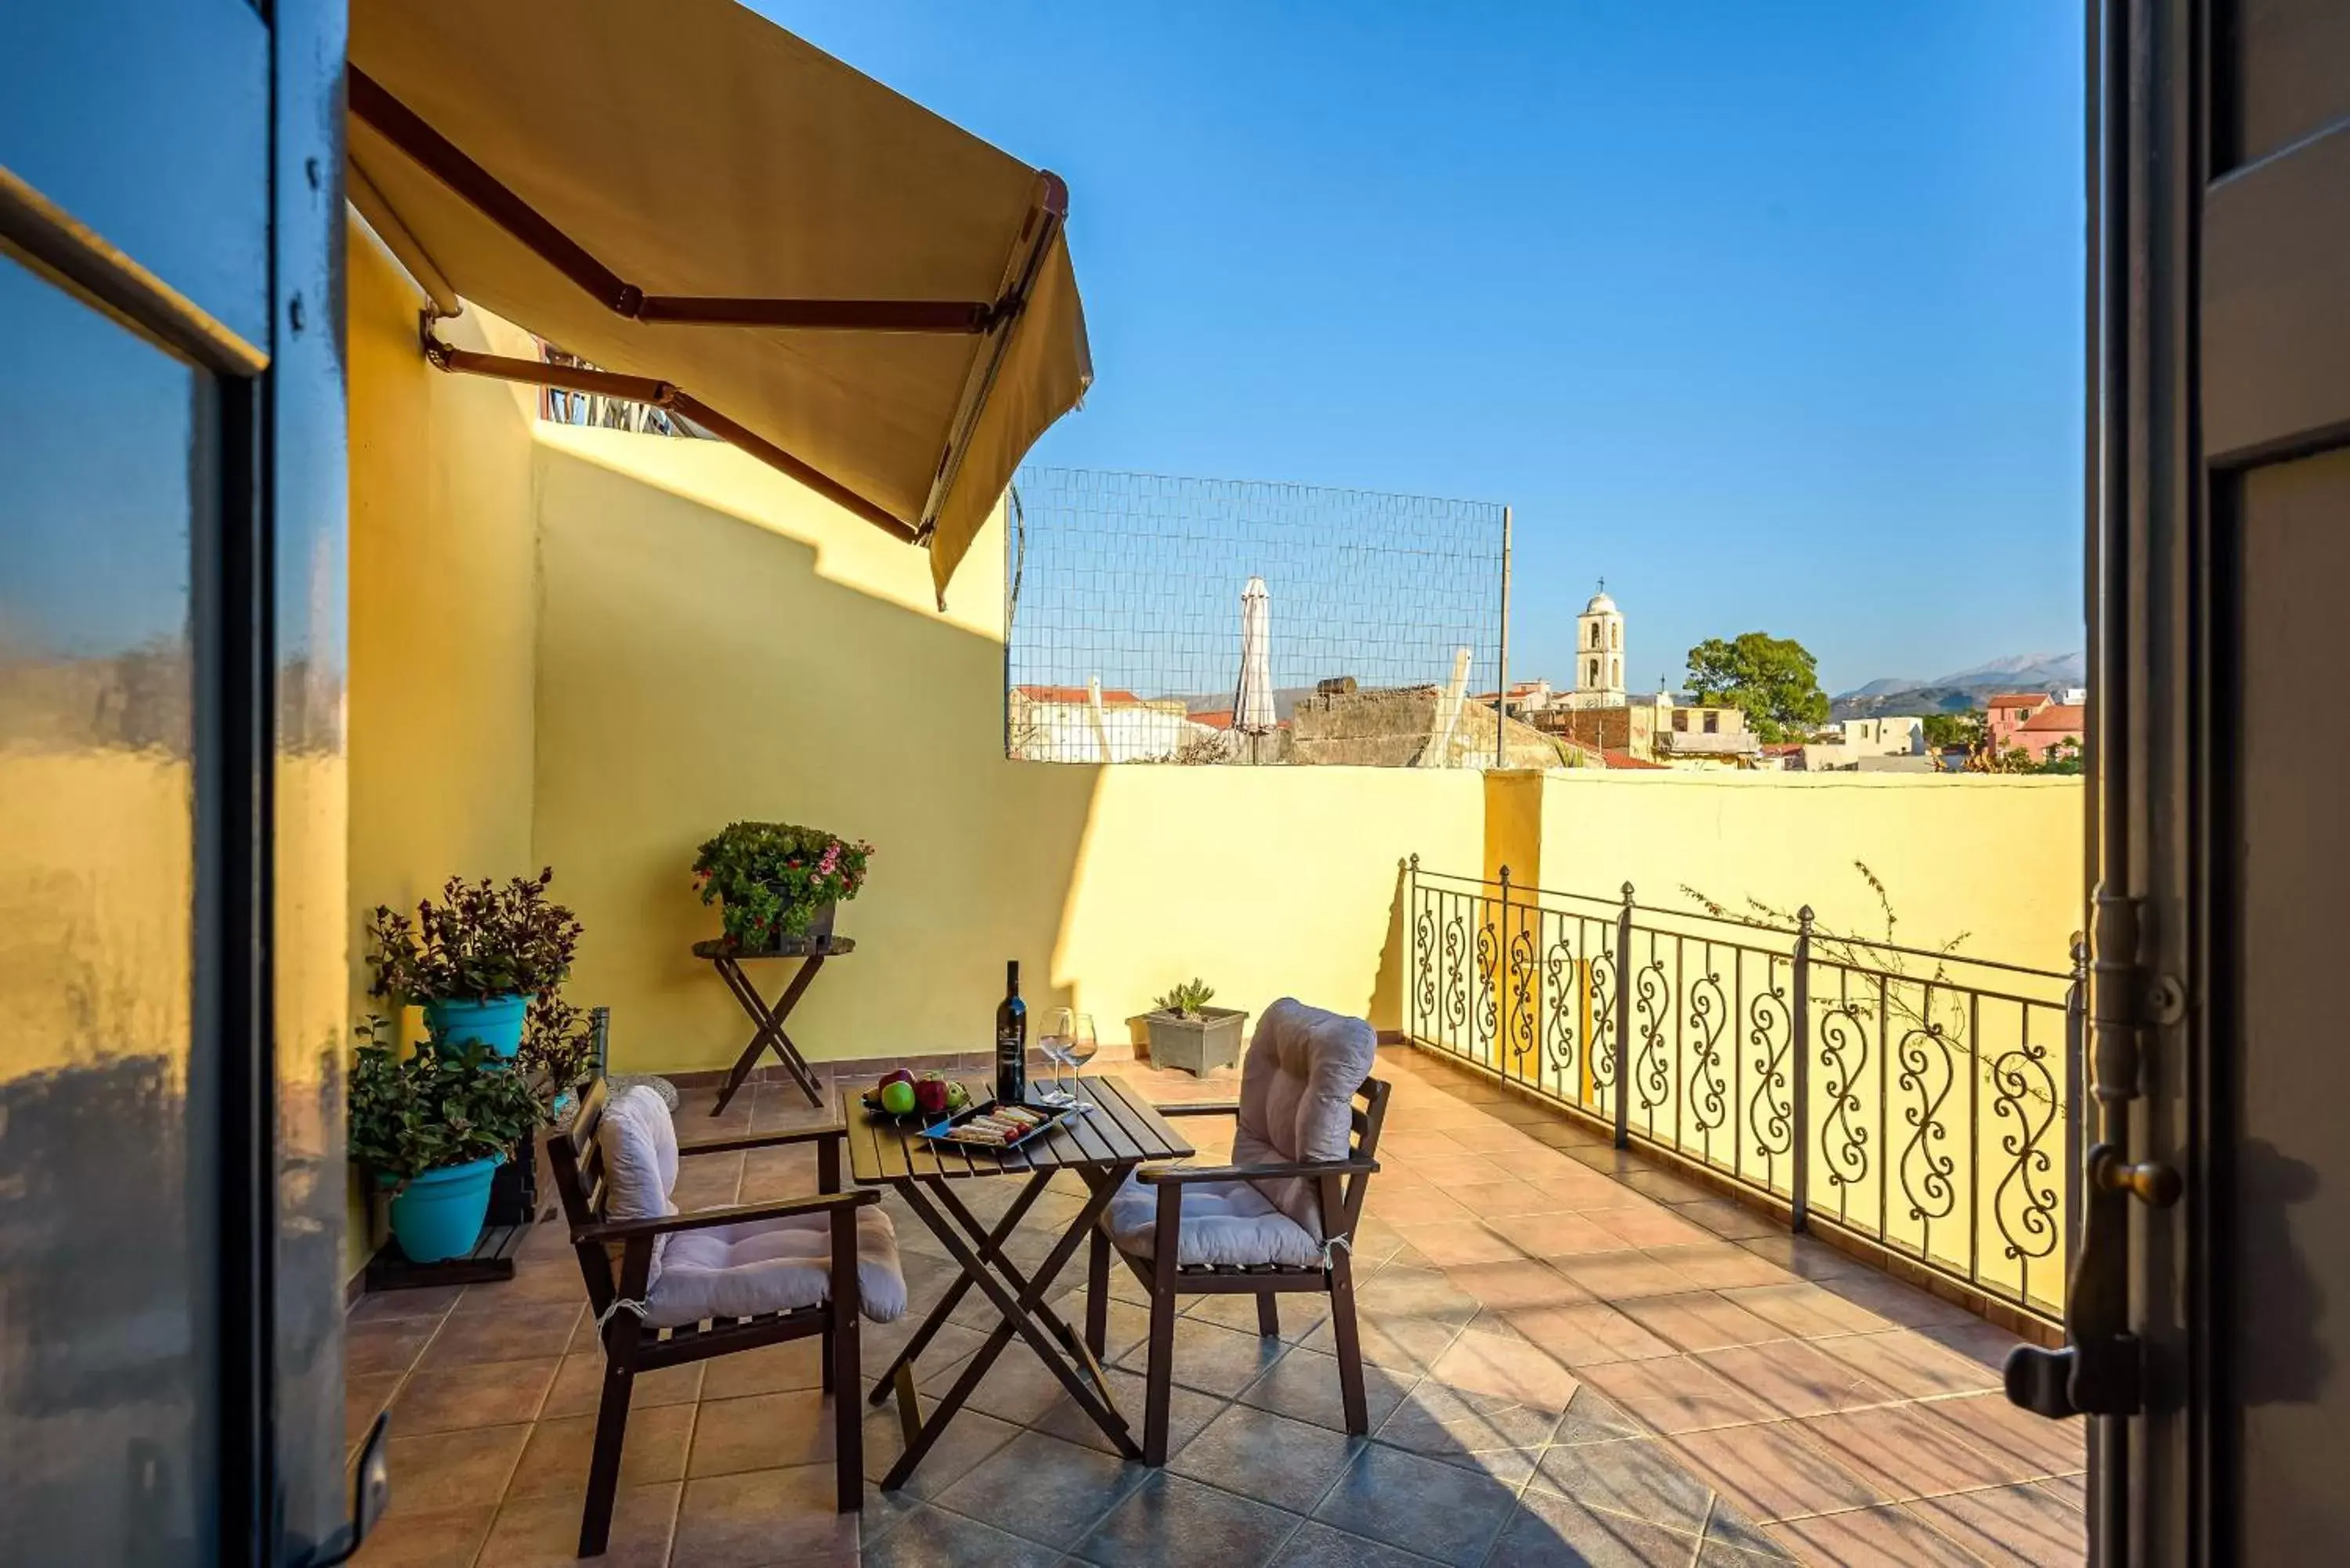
x: 1267, y: 1456
x: 1646, y: 1477
x: 1451, y: 1243
x: 525, y: 1332
x: 1453, y: 1171
x: 1412, y: 1206
x: 1409, y: 1142
x: 1503, y: 1143
x: 1398, y: 1342
x: 1551, y: 1531
x: 1169, y: 1521
x: 1500, y: 1434
x: 557, y: 1457
x: 386, y: 1344
x: 1792, y: 1378
x: 428, y: 1538
x: 1673, y: 1394
x: 1555, y: 1235
x: 2023, y: 1444
x: 579, y: 1385
x: 1900, y: 1452
x: 969, y: 1439
x: 1650, y: 1225
x: 494, y: 1394
x: 1578, y: 1186
x: 1699, y: 1320
x: 1449, y: 1512
x: 1870, y: 1536
x: 1043, y: 1489
x: 1586, y: 1334
x: 454, y: 1470
x: 364, y: 1398
x: 1523, y: 1369
x: 380, y: 1306
x: 1897, y: 1302
x: 1806, y: 1309
x: 1733, y: 1221
x: 1399, y: 1289
x: 1492, y: 1199
x: 1768, y: 1473
x: 1516, y: 1285
x: 2022, y: 1526
x: 761, y: 1432
x: 1618, y: 1277
x: 1720, y: 1265
x: 1667, y: 1188
x: 1304, y: 1385
x: 1805, y: 1257
x: 762, y: 1517
x: 1912, y: 1365
x: 544, y: 1531
x: 1984, y: 1343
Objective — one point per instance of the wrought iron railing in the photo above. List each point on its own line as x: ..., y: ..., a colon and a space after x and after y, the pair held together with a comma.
x: 1918, y: 1100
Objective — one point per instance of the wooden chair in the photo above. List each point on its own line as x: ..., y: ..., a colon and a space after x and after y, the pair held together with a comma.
x: 616, y: 1257
x: 1340, y: 1185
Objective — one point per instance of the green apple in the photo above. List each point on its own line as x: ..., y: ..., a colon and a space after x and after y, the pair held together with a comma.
x: 897, y: 1098
x: 957, y: 1095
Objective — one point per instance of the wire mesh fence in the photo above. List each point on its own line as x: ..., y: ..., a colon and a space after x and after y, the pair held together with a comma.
x: 1128, y: 641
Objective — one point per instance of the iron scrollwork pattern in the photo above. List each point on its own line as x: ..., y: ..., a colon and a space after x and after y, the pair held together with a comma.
x: 1771, y: 1108
x: 1844, y: 1052
x: 2025, y: 1203
x: 1562, y: 977
x: 1651, y: 1011
x: 1709, y: 1016
x: 1927, y: 1170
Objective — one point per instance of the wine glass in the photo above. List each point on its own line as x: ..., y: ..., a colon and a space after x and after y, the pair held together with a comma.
x: 1059, y: 1026
x: 1078, y: 1049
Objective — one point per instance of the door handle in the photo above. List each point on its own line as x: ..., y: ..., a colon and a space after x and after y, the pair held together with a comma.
x: 2098, y: 1372
x: 371, y: 1496
x: 2150, y: 1182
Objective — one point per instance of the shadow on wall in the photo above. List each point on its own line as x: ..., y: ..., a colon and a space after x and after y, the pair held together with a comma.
x: 692, y: 670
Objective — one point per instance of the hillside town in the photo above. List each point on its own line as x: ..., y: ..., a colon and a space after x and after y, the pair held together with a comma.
x: 1592, y: 721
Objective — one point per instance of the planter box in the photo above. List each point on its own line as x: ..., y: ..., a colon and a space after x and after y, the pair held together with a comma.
x: 1196, y: 1044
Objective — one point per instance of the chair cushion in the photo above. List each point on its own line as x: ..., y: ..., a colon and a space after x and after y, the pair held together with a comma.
x: 1297, y: 1093
x: 1228, y: 1223
x: 774, y: 1265
x: 638, y: 1142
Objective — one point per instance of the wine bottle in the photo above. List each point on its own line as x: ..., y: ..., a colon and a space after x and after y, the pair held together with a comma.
x: 1012, y: 1040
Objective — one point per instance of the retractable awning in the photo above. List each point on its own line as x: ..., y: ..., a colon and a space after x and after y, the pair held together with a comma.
x: 730, y: 221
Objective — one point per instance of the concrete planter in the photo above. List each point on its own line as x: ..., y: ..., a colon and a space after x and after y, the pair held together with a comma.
x: 1196, y: 1044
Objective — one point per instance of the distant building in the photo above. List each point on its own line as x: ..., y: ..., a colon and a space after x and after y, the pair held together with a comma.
x: 1598, y: 654
x: 1708, y: 737
x: 1883, y: 737
x: 1527, y: 698
x: 2009, y: 712
x: 1092, y: 725
x: 2052, y: 726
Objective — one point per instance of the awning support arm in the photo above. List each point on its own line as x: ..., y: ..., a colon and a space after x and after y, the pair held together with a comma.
x: 1045, y: 221
x: 660, y: 394
x: 443, y: 159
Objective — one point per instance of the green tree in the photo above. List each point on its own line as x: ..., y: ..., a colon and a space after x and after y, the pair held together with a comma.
x: 1773, y: 681
x: 2064, y: 757
x: 1944, y: 731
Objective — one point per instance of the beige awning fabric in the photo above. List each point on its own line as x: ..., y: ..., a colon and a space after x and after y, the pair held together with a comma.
x: 656, y: 188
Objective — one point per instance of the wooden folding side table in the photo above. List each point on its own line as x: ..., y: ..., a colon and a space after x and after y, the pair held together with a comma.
x: 768, y: 1020
x: 1101, y: 1145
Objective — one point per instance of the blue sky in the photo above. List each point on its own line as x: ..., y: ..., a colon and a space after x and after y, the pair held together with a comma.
x: 1770, y: 313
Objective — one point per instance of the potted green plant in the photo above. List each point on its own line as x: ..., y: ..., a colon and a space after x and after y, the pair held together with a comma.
x: 773, y: 882
x: 1186, y: 1032
x: 474, y: 958
x: 433, y: 1129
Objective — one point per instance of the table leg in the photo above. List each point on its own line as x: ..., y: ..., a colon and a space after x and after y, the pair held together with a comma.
x: 1019, y: 1318
x: 991, y: 1246
x: 769, y: 1028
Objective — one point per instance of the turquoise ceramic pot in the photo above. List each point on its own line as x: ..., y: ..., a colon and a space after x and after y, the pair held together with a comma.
x: 438, y: 1215
x: 496, y: 1022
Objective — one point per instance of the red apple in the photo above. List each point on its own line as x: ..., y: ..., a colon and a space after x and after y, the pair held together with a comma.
x: 901, y: 1076
x: 931, y: 1095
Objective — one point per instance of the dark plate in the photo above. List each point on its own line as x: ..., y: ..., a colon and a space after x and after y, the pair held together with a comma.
x: 943, y: 1130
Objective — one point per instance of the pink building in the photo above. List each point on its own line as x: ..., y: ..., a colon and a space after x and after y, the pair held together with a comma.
x: 2009, y: 712
x: 2052, y: 726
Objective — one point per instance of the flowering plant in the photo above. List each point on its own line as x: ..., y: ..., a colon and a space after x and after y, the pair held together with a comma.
x: 478, y: 941
x: 773, y: 878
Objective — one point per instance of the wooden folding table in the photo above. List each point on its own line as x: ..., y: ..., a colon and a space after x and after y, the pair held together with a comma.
x: 1102, y: 1146
x: 768, y: 1020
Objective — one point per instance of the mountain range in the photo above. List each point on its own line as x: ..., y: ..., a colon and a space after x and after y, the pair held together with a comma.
x: 1965, y: 688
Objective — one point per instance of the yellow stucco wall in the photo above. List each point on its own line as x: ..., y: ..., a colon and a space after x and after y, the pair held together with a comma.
x: 1995, y: 859
x: 443, y: 624
x: 717, y: 643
